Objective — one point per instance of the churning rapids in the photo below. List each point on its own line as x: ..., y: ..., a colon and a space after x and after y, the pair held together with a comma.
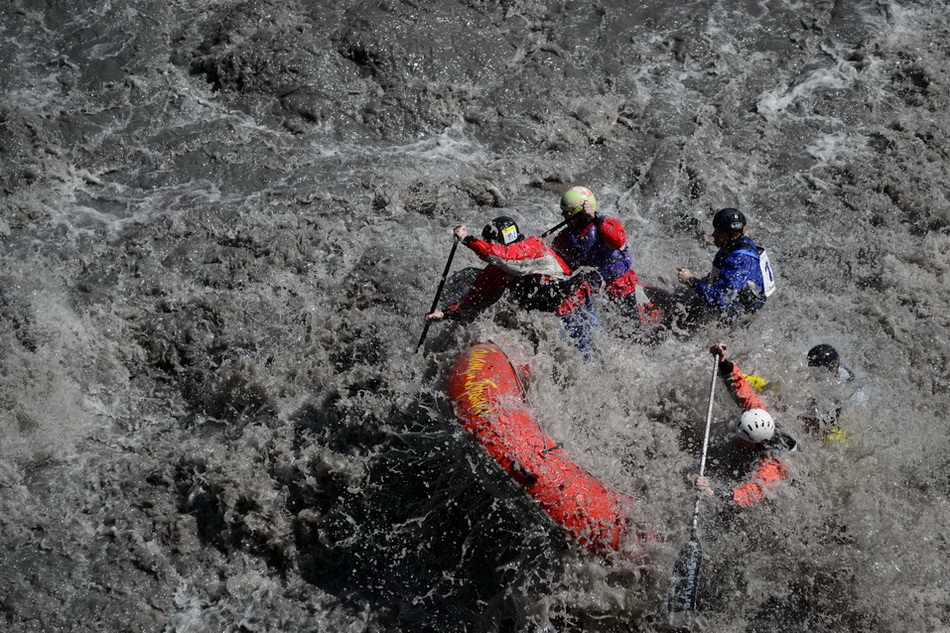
x: 222, y: 222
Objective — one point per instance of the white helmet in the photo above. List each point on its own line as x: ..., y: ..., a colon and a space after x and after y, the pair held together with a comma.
x: 755, y: 425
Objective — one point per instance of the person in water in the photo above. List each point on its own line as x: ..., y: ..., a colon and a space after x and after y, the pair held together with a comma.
x: 599, y: 244
x: 824, y: 355
x: 741, y: 278
x: 531, y: 273
x: 760, y: 448
x: 822, y: 414
x: 823, y: 417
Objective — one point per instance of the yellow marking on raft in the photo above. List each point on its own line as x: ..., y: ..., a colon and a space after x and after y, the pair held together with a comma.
x: 475, y: 387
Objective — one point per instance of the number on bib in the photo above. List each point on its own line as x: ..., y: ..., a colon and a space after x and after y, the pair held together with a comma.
x: 768, y: 279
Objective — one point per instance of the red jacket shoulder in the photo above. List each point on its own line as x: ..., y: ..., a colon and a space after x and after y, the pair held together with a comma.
x: 612, y: 233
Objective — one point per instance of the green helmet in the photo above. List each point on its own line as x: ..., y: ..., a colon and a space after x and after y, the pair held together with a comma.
x: 576, y: 199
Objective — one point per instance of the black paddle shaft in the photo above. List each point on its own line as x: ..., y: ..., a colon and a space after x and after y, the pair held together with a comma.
x: 445, y: 273
x: 438, y: 293
x: 554, y: 228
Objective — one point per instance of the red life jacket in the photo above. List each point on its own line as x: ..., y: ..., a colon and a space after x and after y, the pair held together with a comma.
x: 601, y: 244
x: 536, y: 276
x: 768, y: 472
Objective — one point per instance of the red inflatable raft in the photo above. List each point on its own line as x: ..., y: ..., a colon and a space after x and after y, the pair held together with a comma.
x: 489, y: 401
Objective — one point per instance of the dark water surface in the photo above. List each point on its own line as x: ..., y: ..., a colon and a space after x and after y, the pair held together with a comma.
x: 223, y: 221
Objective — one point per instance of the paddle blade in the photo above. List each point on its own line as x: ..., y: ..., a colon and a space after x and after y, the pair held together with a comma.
x: 686, y: 578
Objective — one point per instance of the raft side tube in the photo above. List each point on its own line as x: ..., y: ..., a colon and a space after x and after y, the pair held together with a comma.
x: 489, y: 401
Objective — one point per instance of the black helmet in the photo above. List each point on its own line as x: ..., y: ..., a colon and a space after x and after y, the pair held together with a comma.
x: 503, y: 230
x: 823, y: 355
x: 730, y: 220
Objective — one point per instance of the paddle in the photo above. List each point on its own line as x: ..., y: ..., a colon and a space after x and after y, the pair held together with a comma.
x: 445, y: 273
x: 686, y: 569
x: 554, y: 228
x: 438, y: 293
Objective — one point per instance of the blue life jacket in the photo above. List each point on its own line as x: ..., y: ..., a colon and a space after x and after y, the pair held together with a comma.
x: 741, y: 278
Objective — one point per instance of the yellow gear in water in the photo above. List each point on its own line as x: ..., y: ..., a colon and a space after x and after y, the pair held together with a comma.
x: 837, y: 435
x: 757, y: 383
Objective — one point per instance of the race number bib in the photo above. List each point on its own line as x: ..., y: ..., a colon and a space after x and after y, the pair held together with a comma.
x: 768, y: 278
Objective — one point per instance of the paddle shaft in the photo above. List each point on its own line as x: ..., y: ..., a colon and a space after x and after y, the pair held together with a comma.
x: 554, y: 228
x: 438, y: 293
x: 445, y: 274
x: 702, y: 459
x: 683, y: 596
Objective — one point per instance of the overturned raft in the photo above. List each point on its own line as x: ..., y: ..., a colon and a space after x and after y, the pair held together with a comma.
x: 489, y: 401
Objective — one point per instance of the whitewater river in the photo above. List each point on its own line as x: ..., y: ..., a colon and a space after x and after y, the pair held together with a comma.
x: 222, y: 222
